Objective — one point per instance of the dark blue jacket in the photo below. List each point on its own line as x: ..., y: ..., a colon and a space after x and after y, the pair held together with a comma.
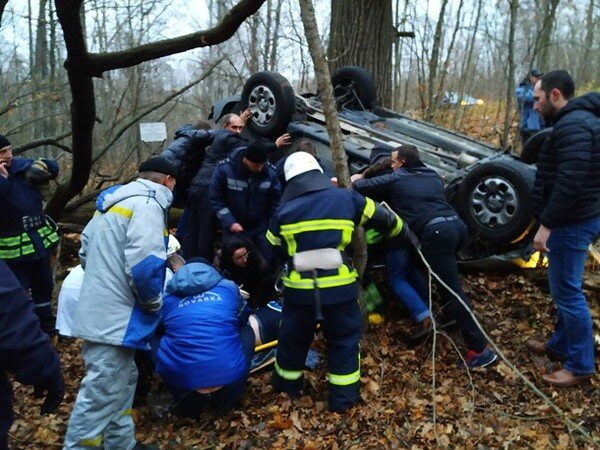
x: 567, y: 182
x: 238, y: 195
x: 201, y: 347
x: 19, y: 198
x: 323, y: 217
x: 415, y: 193
x: 224, y: 144
x: 24, y: 349
x: 530, y: 119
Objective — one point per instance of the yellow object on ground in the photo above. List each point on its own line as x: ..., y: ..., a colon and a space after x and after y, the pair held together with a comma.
x: 376, y: 319
x: 535, y: 260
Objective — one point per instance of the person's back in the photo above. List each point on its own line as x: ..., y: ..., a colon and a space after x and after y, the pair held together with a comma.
x: 201, y: 347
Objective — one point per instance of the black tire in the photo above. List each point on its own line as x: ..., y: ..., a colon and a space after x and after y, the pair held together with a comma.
x: 533, y: 145
x: 354, y: 88
x: 494, y: 200
x: 271, y: 100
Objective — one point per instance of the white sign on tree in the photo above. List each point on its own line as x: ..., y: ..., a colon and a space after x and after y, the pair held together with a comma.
x: 153, y: 132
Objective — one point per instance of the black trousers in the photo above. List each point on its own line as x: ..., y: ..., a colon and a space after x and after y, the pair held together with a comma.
x: 36, y: 276
x: 439, y: 244
x: 342, y: 328
x: 201, y: 227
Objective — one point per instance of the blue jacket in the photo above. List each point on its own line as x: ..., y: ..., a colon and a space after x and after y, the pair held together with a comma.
x: 201, y: 347
x: 530, y: 119
x: 24, y: 349
x: 567, y: 181
x: 19, y: 198
x: 224, y: 144
x: 238, y: 195
x: 318, y: 216
x: 415, y: 193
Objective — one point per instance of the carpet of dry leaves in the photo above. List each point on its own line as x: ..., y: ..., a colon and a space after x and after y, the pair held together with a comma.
x: 489, y: 409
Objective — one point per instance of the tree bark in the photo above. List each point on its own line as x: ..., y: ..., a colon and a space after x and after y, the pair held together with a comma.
x: 434, y: 60
x: 362, y: 34
x: 510, y: 74
x: 340, y: 161
x: 585, y: 65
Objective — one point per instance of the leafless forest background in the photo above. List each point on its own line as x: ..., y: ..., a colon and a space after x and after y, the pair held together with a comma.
x: 471, y: 47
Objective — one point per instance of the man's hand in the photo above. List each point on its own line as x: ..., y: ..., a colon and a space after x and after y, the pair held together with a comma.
x: 355, y: 177
x: 284, y: 139
x: 3, y: 170
x: 334, y: 181
x: 236, y: 228
x: 541, y: 238
x: 245, y: 116
x: 53, y: 390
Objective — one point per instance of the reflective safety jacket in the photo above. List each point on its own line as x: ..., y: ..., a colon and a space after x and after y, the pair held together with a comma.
x: 25, y: 232
x: 325, y: 217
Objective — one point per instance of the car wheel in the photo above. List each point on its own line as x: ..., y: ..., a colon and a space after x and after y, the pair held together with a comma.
x: 271, y: 100
x: 494, y: 200
x: 354, y: 88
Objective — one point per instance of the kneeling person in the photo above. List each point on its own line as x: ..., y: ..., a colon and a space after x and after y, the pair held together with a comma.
x: 204, y: 356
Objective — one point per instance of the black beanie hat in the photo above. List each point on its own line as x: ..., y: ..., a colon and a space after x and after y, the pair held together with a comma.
x: 3, y: 141
x: 257, y: 152
x: 158, y: 164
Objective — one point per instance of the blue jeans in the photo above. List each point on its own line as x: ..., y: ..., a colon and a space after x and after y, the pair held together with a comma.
x: 572, y: 337
x: 407, y: 282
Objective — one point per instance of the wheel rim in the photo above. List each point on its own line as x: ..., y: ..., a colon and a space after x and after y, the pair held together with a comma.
x: 262, y: 105
x: 493, y: 203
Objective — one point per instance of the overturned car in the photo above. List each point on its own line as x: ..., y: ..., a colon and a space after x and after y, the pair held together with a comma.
x: 490, y: 189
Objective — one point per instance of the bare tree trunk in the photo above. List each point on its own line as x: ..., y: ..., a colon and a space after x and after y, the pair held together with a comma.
x: 510, y: 75
x: 585, y: 64
x: 362, y: 34
x: 334, y: 130
x: 275, y: 37
x: 545, y: 35
x: 444, y: 73
x: 467, y: 66
x: 433, y: 61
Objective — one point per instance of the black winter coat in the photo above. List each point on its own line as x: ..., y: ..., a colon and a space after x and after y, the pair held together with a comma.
x: 224, y: 144
x: 415, y: 193
x: 567, y: 182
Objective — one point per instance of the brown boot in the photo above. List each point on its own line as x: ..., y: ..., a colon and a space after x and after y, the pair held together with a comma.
x: 565, y: 378
x: 540, y: 348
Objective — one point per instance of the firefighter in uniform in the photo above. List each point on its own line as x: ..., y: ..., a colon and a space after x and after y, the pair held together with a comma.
x: 26, y: 234
x: 317, y: 220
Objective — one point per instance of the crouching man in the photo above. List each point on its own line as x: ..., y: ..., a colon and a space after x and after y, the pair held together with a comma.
x: 205, y: 354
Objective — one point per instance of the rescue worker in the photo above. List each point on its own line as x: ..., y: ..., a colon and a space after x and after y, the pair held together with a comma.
x: 244, y: 192
x: 27, y: 235
x: 123, y: 253
x: 25, y: 352
x: 315, y: 216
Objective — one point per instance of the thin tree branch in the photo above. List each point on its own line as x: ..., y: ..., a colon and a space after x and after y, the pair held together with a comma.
x: 101, y: 62
x: 144, y: 113
x: 54, y: 141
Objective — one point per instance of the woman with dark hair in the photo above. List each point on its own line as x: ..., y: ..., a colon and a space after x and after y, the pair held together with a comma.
x: 249, y: 269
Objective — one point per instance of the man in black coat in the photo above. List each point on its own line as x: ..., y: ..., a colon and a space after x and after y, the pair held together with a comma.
x: 566, y: 198
x: 25, y: 352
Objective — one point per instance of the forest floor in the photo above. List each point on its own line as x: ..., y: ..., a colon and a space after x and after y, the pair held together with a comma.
x: 486, y: 409
x: 478, y: 410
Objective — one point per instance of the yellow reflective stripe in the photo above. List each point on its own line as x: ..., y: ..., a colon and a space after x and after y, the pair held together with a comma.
x: 274, y: 240
x: 316, y: 225
x: 345, y: 380
x: 165, y: 231
x: 288, y: 231
x: 125, y: 212
x: 290, y: 375
x: 15, y: 240
x: 95, y: 442
x: 398, y: 227
x: 368, y: 210
x: 127, y: 412
x: 294, y: 280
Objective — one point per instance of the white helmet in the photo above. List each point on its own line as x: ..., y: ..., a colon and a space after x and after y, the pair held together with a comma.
x: 299, y: 163
x: 173, y: 246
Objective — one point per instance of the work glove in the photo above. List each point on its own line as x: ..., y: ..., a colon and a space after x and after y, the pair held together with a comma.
x: 373, y: 236
x: 54, y: 390
x: 38, y: 173
x: 152, y: 306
